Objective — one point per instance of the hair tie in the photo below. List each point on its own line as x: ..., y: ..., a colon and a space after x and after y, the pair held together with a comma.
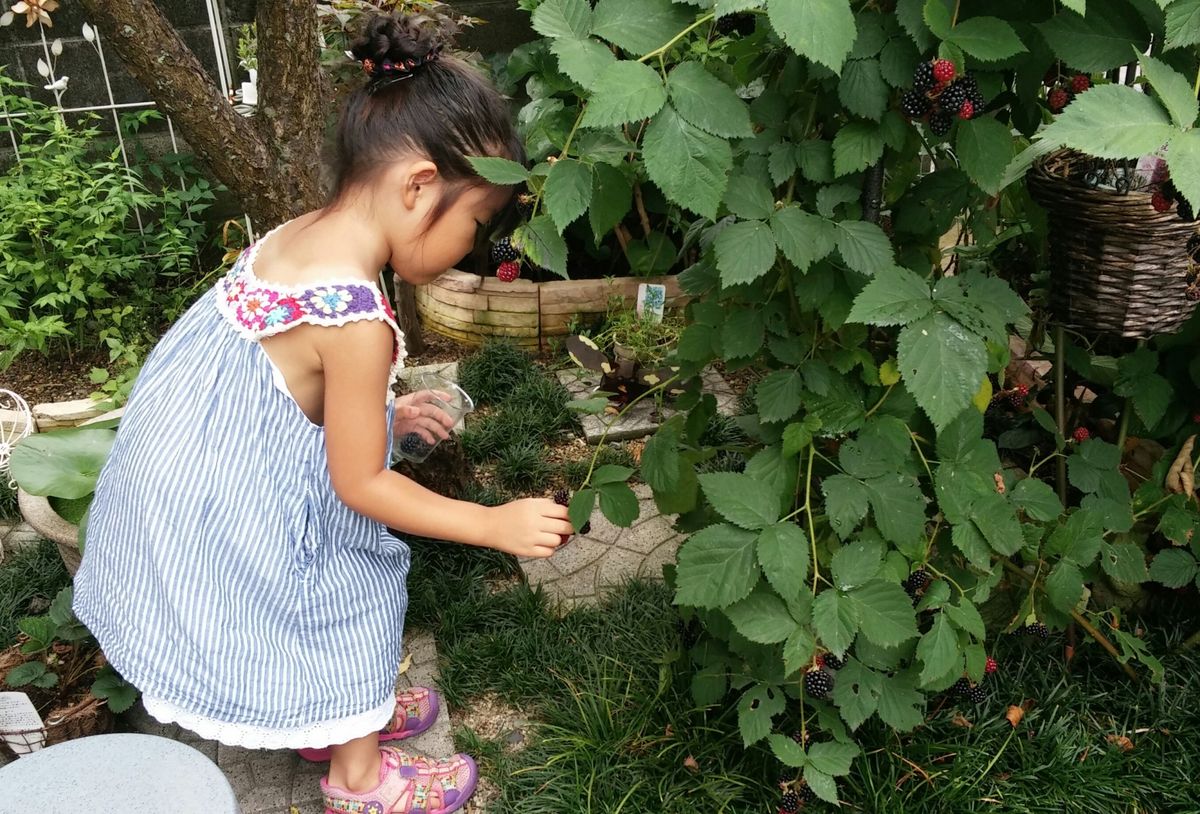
x: 386, y: 72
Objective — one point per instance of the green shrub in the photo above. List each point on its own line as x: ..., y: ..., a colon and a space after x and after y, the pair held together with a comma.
x: 574, y: 472
x: 29, y: 581
x: 485, y: 494
x: 494, y: 371
x: 522, y: 466
x: 542, y: 401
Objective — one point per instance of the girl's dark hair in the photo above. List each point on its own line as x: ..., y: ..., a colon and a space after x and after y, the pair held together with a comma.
x: 447, y: 110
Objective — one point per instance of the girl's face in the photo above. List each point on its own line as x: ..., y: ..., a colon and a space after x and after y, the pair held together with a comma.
x: 423, y: 249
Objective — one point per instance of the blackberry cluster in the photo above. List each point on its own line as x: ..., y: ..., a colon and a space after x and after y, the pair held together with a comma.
x: 1036, y: 629
x: 503, y: 251
x: 741, y: 24
x: 818, y: 683
x: 1063, y: 88
x: 790, y: 803
x: 938, y: 97
x: 923, y: 79
x: 915, y: 105
x: 414, y: 444
x: 833, y: 662
x: 975, y: 694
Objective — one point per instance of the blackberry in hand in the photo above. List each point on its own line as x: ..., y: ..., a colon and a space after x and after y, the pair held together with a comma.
x: 817, y: 683
x: 503, y: 251
x: 940, y: 122
x: 563, y: 498
x: 923, y: 79
x: 790, y: 802
x: 413, y: 444
x: 914, y: 105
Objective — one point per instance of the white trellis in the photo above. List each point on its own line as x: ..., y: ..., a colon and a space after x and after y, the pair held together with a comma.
x: 59, y: 85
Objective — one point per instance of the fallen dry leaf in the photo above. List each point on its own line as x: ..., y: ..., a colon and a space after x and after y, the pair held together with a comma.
x: 404, y: 665
x: 999, y: 479
x: 690, y: 764
x: 960, y: 720
x: 1014, y: 715
x: 1179, y: 477
x: 1120, y: 740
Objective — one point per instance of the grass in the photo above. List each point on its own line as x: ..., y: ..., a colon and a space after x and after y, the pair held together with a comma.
x: 29, y: 579
x: 616, y: 724
x: 8, y: 501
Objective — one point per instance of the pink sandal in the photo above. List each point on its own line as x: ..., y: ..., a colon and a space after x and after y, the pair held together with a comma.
x: 416, y: 710
x: 408, y: 785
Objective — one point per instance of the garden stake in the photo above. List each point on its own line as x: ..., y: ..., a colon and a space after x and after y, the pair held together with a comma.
x: 1060, y: 404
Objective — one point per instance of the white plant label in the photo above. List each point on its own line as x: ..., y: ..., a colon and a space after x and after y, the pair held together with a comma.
x: 17, y: 714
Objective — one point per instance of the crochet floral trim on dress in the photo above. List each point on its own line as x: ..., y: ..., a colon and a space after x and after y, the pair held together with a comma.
x: 258, y: 309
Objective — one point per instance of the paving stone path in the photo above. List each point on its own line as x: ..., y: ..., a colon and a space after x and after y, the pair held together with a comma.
x: 15, y: 535
x: 280, y: 781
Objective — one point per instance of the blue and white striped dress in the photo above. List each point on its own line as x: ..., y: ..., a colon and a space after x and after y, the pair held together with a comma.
x: 222, y: 575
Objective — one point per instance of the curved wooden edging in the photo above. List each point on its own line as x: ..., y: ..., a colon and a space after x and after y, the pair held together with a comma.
x: 472, y: 309
x: 39, y: 514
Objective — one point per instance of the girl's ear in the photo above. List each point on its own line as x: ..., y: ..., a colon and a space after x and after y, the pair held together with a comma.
x: 417, y: 178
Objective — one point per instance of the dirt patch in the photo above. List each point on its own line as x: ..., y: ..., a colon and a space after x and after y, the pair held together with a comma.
x: 438, y: 349
x: 491, y: 719
x: 40, y: 379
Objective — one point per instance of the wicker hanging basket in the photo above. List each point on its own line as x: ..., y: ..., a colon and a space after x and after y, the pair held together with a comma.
x: 1118, y: 267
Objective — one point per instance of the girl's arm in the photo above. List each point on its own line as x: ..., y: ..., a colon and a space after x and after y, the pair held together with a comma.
x: 356, y: 359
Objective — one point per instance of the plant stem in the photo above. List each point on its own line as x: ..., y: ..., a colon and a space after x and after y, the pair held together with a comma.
x: 662, y: 49
x: 608, y: 427
x: 1123, y: 432
x: 924, y: 460
x: 1060, y: 404
x: 954, y: 19
x: 812, y: 533
x: 882, y: 399
x: 1100, y: 638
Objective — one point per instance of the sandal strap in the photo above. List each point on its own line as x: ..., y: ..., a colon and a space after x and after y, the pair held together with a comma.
x: 413, y: 706
x: 411, y: 785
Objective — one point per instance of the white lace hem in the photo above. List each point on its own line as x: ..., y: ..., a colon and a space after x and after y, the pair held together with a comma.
x: 314, y: 736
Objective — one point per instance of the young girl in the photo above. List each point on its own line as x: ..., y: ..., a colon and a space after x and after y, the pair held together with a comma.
x: 238, y: 568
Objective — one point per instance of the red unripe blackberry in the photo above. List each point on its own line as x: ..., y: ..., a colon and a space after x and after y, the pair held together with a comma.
x: 1057, y: 100
x: 1081, y: 434
x: 1080, y: 82
x: 1159, y: 201
x: 967, y: 110
x: 508, y: 271
x: 943, y: 70
x: 1018, y: 395
x: 817, y: 683
x: 990, y: 666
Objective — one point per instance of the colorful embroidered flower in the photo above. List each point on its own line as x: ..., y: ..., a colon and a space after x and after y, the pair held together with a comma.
x: 285, y: 310
x: 329, y: 300
x: 254, y: 306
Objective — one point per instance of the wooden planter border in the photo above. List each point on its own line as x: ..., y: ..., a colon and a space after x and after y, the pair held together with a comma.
x: 472, y: 309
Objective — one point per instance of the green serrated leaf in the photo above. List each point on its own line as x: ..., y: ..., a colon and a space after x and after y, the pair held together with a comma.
x: 1037, y: 499
x: 639, y: 26
x: 623, y: 92
x: 803, y: 237
x: 781, y: 162
x: 835, y: 620
x: 717, y: 567
x: 584, y: 60
x: 910, y: 13
x: 1110, y: 121
x: 942, y: 364
x: 938, y: 650
x: 1064, y: 586
x: 901, y: 706
x: 618, y: 503
x: 824, y: 786
x: 821, y: 30
x: 499, y: 171
x: 690, y: 166
x: 864, y: 247
x: 756, y: 710
x: 995, y: 518
x: 1124, y: 562
x: 583, y: 503
x: 846, y: 502
x: 660, y: 461
x: 568, y: 191
x: 762, y: 617
x: 740, y: 499
x: 886, y: 613
x: 562, y: 18
x: 787, y: 751
x: 856, y: 563
x: 784, y: 557
x: 986, y: 38
x: 1107, y: 37
x: 856, y: 692
x: 1173, y: 90
x: 985, y: 148
x: 1183, y: 23
x: 832, y: 757
x: 612, y: 198
x: 748, y: 197
x: 707, y: 102
x: 1183, y: 158
x: 745, y: 252
x: 895, y: 296
x: 862, y: 89
x: 779, y: 395
x: 1078, y: 539
x: 1173, y: 567
x: 856, y: 146
x: 798, y: 650
x: 541, y: 241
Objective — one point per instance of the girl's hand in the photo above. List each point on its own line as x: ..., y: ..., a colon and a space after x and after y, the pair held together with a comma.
x: 420, y: 412
x: 532, y: 527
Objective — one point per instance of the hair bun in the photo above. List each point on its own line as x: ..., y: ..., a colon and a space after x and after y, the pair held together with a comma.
x: 396, y: 37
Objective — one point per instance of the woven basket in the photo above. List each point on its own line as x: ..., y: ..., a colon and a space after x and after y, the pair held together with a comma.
x: 1117, y: 267
x: 87, y: 716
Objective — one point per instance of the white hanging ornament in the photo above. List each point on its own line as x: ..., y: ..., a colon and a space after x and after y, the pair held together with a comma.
x: 56, y: 47
x: 16, y: 422
x: 6, y: 18
x: 43, y: 68
x: 89, y: 33
x: 59, y: 84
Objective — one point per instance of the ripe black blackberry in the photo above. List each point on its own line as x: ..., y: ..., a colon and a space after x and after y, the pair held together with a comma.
x: 914, y: 105
x: 413, y: 444
x: 960, y: 687
x: 975, y: 694
x: 818, y: 683
x: 940, y: 122
x: 790, y: 802
x: 923, y: 79
x: 1037, y: 629
x: 917, y: 581
x: 952, y: 98
x: 741, y: 24
x: 504, y: 251
x: 807, y: 795
x: 525, y: 204
x: 833, y: 662
x: 563, y: 498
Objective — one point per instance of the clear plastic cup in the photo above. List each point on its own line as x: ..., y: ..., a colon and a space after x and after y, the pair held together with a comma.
x: 443, y: 394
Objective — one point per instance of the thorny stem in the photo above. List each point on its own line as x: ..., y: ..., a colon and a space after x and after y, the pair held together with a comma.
x: 1100, y: 638
x: 662, y: 49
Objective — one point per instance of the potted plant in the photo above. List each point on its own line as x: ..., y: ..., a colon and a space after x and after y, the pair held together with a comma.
x: 56, y: 476
x: 58, y: 664
x: 640, y: 339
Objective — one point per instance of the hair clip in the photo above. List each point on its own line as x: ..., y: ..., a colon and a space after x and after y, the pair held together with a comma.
x: 386, y: 72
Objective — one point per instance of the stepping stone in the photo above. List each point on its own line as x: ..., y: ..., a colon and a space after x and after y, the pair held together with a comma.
x: 412, y: 375
x: 16, y: 538
x: 646, y: 415
x: 273, y: 781
x: 592, y: 565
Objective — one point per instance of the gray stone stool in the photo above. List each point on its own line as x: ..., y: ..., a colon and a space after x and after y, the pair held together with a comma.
x: 116, y: 774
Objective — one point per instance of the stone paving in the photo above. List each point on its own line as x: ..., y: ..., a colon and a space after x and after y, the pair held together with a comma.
x: 586, y: 569
x: 280, y: 781
x: 14, y: 536
x: 646, y: 415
